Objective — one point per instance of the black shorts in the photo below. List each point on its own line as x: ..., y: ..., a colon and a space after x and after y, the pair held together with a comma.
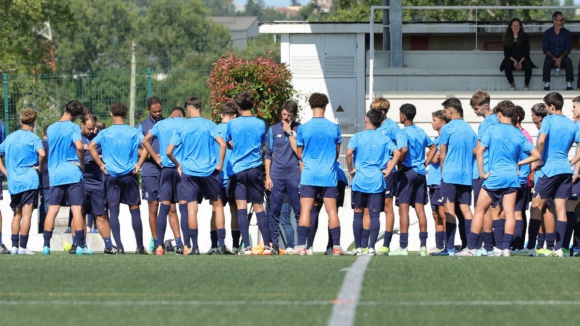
x: 170, y: 186
x: 27, y: 197
x: 318, y: 193
x: 436, y: 197
x: 391, y: 181
x: 523, y: 198
x: 496, y: 195
x: 477, y: 185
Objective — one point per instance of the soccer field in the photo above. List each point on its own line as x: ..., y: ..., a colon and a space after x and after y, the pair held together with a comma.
x: 285, y: 290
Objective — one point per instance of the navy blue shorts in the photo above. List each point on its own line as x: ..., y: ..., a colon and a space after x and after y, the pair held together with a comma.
x: 318, y: 193
x: 436, y: 197
x: 227, y: 194
x: 209, y: 187
x: 150, y: 187
x: 496, y: 195
x: 523, y: 198
x: 71, y: 194
x: 249, y: 186
x: 456, y: 193
x: 374, y: 202
x: 122, y: 190
x: 27, y: 197
x: 95, y: 201
x: 558, y: 186
x: 391, y: 181
x: 575, y: 191
x: 170, y: 186
x: 411, y: 187
x: 477, y: 185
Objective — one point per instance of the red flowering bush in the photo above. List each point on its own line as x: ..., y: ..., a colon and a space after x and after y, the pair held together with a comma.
x: 268, y: 81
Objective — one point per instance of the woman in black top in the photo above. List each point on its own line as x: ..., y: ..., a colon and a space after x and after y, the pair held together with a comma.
x: 516, y: 49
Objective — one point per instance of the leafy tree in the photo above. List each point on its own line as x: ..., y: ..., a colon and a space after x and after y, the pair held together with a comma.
x: 262, y: 46
x: 220, y: 7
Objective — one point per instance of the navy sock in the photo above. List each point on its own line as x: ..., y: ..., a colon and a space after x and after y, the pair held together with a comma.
x: 47, y: 235
x: 571, y: 217
x: 236, y: 238
x: 498, y: 229
x: 364, y: 241
x: 533, y: 230
x: 214, y: 239
x: 487, y: 240
x: 1, y: 237
x: 518, y: 234
x: 23, y: 241
x: 74, y: 238
x: 479, y: 242
x: 244, y: 225
x: 313, y: 226
x: 560, y: 234
x: 264, y: 227
x: 138, y: 227
x: 375, y: 229
x: 80, y: 236
x: 387, y: 239
x: 357, y: 229
x: 221, y: 237
x: 507, y: 240
x: 423, y: 238
x: 329, y: 244
x: 108, y: 242
x: 302, y: 233
x: 90, y: 220
x: 450, y: 234
x: 440, y: 239
x: 467, y: 227
x: 472, y: 240
x: 161, y: 224
x: 550, y: 238
x: 193, y: 236
x: 184, y: 224
x: 178, y: 242
x: 115, y: 225
x: 14, y: 239
x: 335, y: 235
x: 541, y: 240
x: 403, y: 240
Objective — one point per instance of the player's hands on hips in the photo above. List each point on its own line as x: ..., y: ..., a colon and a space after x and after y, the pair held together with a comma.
x: 219, y: 168
x: 179, y: 170
x: 104, y: 169
x: 137, y: 168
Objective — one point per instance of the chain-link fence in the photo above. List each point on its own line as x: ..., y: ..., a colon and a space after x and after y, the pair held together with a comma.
x: 48, y: 93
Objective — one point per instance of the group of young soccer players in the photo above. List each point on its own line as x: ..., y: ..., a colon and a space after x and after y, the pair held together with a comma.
x: 185, y: 160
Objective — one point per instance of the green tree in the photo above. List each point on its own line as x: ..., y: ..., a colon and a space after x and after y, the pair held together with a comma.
x: 262, y: 46
x: 220, y: 7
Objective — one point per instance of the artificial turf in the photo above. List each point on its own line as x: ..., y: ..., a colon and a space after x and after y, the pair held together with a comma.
x: 232, y: 290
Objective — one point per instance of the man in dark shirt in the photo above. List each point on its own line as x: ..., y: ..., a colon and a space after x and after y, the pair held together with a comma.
x: 557, y: 44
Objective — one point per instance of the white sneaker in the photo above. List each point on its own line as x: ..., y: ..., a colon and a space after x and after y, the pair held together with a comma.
x: 496, y: 252
x: 25, y: 251
x: 505, y: 253
x: 309, y: 251
x: 466, y: 253
x: 399, y: 252
x: 289, y: 251
x: 371, y: 252
x: 14, y: 251
x: 558, y: 253
x: 357, y: 252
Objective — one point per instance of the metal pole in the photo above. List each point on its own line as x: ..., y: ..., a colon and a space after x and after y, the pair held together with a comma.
x: 386, y: 30
x: 6, y: 116
x: 372, y: 54
x: 149, y: 88
x: 133, y: 85
x: 476, y: 29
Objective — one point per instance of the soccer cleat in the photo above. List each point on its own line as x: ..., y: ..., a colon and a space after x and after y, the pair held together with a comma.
x: 328, y: 251
x: 186, y: 250
x: 84, y: 251
x: 274, y: 250
x: 506, y: 253
x: 576, y: 253
x: 300, y: 251
x: 496, y: 252
x: 399, y: 252
x: 14, y: 251
x: 337, y: 251
x: 120, y: 251
x: 235, y: 250
x: 566, y: 252
x: 526, y: 252
x: 309, y: 251
x: 111, y: 251
x: 289, y: 251
x: 423, y: 252
x: 46, y: 250
x: 266, y: 251
x: 4, y: 250
x: 179, y: 250
x: 435, y: 250
x: 159, y: 251
x: 25, y: 251
x: 73, y: 249
x: 224, y: 251
x: 371, y: 252
x: 246, y: 251
x: 466, y: 253
x: 482, y: 252
x: 544, y: 252
x: 141, y: 251
x: 365, y: 251
x: 384, y: 251
x: 193, y: 252
x: 212, y: 251
x: 557, y: 253
x: 440, y: 253
x: 357, y: 252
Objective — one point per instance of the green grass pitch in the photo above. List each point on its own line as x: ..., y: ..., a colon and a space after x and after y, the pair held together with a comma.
x: 232, y: 290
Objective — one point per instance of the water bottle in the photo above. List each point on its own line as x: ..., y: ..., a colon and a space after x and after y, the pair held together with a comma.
x: 557, y: 72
